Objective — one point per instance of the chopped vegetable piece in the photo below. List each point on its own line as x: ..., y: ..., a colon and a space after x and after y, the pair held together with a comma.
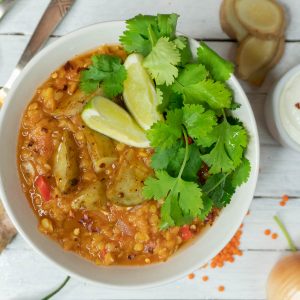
x: 101, y: 149
x: 127, y: 180
x: 65, y: 166
x: 185, y: 232
x: 90, y: 198
x: 43, y: 187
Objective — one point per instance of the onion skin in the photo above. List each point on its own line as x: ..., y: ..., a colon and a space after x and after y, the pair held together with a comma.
x: 284, y: 279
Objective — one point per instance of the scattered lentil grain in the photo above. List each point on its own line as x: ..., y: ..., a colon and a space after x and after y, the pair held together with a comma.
x: 221, y: 288
x: 274, y: 236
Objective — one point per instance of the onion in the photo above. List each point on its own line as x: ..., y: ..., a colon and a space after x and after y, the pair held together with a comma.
x: 284, y: 279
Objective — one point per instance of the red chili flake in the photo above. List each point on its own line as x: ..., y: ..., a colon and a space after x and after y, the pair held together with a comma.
x: 190, y: 140
x: 297, y: 105
x: 185, y: 232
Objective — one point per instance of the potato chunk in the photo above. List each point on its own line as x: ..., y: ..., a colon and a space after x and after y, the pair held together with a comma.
x: 66, y: 166
x: 127, y: 180
x: 91, y: 198
x: 101, y: 149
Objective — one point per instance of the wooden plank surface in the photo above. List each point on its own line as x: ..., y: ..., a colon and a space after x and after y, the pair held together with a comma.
x: 199, y: 18
x: 29, y: 276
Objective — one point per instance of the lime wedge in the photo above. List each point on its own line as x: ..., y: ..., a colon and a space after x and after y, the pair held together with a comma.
x: 106, y: 117
x: 139, y: 93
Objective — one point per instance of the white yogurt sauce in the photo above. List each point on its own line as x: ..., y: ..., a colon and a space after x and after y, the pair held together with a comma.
x: 289, y: 112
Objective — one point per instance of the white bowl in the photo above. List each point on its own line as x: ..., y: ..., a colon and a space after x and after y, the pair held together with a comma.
x: 272, y: 111
x: 185, y: 261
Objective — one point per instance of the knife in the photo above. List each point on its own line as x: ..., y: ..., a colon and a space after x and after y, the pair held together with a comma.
x: 53, y: 15
x: 5, y: 5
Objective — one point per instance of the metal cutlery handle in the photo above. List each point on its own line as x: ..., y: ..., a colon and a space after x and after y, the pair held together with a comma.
x: 54, y: 13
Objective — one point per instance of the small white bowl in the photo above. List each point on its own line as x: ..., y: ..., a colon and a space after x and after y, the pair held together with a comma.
x: 189, y: 258
x: 272, y: 111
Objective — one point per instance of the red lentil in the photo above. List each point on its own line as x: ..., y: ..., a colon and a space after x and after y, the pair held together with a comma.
x: 267, y: 232
x: 274, y: 236
x: 285, y: 198
x: 221, y: 288
x: 205, y: 278
x: 191, y: 276
x: 228, y: 253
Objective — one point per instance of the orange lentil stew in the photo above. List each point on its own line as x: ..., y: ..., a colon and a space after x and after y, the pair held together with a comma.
x: 122, y: 163
x: 75, y: 179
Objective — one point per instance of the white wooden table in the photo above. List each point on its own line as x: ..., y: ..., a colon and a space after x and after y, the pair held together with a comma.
x: 26, y: 275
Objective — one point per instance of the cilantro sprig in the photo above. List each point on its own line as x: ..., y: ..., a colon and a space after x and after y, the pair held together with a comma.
x: 155, y: 38
x: 105, y: 70
x: 182, y: 199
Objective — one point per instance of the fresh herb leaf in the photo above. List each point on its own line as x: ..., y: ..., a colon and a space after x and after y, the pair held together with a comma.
x: 163, y: 156
x: 186, y: 194
x: 193, y: 164
x: 136, y: 36
x: 169, y: 100
x: 142, y: 32
x: 159, y: 186
x: 162, y: 60
x: 182, y: 199
x: 167, y: 25
x: 219, y: 188
x: 182, y: 43
x: 166, y: 134
x: 191, y: 74
x: 219, y: 68
x: 106, y: 70
x: 216, y: 94
x: 207, y: 207
x: 241, y: 174
x: 199, y: 123
x: 163, y: 135
x: 231, y: 140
